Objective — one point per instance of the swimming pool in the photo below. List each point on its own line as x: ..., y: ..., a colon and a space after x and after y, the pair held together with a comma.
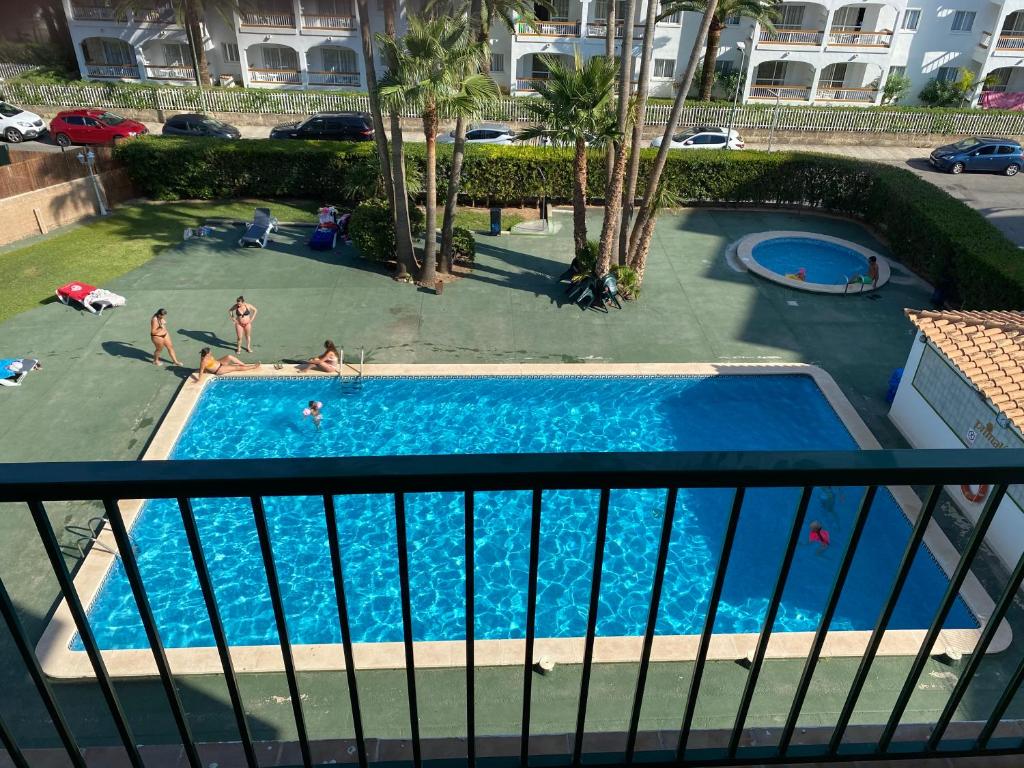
x: 826, y: 264
x: 431, y: 415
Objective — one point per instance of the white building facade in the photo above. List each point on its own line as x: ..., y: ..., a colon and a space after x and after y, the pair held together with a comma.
x: 825, y: 52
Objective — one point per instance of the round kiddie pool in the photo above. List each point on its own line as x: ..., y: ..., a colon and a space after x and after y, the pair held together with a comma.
x: 811, y: 262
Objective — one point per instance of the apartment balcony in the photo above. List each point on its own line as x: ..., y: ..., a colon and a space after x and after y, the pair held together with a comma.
x: 527, y: 84
x: 858, y: 38
x: 791, y: 37
x: 1010, y: 44
x: 87, y: 12
x: 275, y: 76
x: 112, y: 71
x: 769, y: 92
x: 329, y: 23
x: 846, y: 95
x: 558, y: 28
x: 262, y: 19
x: 600, y: 28
x: 171, y: 72
x: 348, y: 79
x: 157, y: 14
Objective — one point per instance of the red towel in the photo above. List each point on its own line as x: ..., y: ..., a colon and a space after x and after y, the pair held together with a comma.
x: 76, y: 291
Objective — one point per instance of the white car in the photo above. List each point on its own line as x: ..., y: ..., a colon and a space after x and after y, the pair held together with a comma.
x: 485, y: 133
x: 703, y: 138
x: 16, y: 125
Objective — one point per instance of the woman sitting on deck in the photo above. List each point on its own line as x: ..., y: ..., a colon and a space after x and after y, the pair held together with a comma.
x: 329, y: 361
x: 219, y: 366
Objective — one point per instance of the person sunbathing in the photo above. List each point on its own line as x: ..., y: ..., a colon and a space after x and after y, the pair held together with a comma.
x: 329, y: 361
x: 208, y: 364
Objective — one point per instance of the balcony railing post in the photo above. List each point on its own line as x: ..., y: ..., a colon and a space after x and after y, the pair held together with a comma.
x: 882, y: 624
x: 826, y: 619
x: 195, y: 545
x: 126, y: 550
x: 410, y: 662
x: 43, y: 688
x: 85, y: 633
x: 531, y: 626
x: 693, y: 690
x: 769, y: 622
x: 592, y: 611
x: 14, y: 752
x: 470, y: 553
x: 988, y: 513
x: 280, y: 620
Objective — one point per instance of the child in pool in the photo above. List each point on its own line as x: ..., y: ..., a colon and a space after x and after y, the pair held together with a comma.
x: 314, y: 410
x: 819, y: 535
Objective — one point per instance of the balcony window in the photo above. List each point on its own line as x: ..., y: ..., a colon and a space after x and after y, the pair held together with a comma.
x: 176, y: 54
x: 664, y: 68
x: 230, y: 53
x: 280, y: 58
x: 898, y: 71
x: 339, y: 60
x: 732, y: 21
x: 771, y: 73
x: 911, y: 19
x: 963, y: 21
x: 792, y: 17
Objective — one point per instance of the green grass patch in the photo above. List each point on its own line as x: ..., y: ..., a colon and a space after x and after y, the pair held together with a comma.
x: 480, y: 220
x: 105, y: 249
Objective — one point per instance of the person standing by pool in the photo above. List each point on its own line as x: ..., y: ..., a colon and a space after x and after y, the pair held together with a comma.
x: 329, y: 361
x: 219, y: 366
x: 242, y: 314
x: 871, y: 278
x: 160, y: 338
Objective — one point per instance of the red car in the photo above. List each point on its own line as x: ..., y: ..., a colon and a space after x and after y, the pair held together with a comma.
x: 92, y: 126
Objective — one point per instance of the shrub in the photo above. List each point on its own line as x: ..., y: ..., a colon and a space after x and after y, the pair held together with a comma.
x: 896, y: 86
x: 625, y: 276
x: 587, y: 257
x: 930, y: 232
x: 464, y: 246
x: 373, y: 231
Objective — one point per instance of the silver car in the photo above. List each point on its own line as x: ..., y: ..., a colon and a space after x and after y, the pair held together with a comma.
x: 703, y: 137
x: 484, y: 133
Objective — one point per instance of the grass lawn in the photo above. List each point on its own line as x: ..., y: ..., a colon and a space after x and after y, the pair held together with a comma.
x: 104, y: 249
x: 479, y: 219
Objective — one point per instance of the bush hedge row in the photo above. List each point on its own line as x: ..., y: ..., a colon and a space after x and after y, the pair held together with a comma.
x: 930, y: 232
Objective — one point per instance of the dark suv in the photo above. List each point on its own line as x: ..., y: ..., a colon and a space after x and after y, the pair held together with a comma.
x: 337, y: 126
x: 979, y: 154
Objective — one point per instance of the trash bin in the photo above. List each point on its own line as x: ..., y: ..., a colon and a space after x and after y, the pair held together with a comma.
x: 5, y: 155
x: 495, y: 221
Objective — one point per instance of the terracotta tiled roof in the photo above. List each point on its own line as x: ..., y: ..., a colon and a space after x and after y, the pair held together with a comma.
x: 987, y: 347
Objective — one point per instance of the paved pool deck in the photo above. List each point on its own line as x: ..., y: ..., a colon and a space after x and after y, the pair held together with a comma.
x: 99, y: 398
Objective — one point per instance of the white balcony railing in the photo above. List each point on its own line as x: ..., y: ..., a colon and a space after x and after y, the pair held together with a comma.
x: 96, y: 13
x: 791, y: 37
x: 549, y: 29
x: 857, y: 95
x: 781, y: 92
x: 1010, y: 43
x: 170, y: 72
x: 859, y: 38
x: 276, y: 76
x: 598, y: 29
x: 527, y: 83
x: 157, y: 14
x: 334, y: 78
x: 320, y: 21
x: 260, y: 19
x: 113, y: 71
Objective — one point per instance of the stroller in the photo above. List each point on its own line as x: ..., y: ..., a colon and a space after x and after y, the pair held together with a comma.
x: 257, y: 233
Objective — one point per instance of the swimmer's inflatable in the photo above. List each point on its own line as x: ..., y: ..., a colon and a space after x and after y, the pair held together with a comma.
x: 974, y: 496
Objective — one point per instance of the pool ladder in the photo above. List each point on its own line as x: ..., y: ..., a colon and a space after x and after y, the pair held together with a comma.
x: 89, y: 535
x: 352, y: 383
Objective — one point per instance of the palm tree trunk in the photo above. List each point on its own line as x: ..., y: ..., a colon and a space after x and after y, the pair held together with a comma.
x: 454, y: 178
x: 639, y: 260
x: 405, y: 254
x: 579, y: 196
x: 609, y: 53
x: 194, y: 28
x: 654, y: 177
x: 380, y: 138
x: 429, y: 270
x: 633, y: 168
x: 707, y: 75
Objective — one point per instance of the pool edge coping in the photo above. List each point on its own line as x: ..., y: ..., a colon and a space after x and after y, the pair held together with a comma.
x: 745, y: 253
x: 59, y: 661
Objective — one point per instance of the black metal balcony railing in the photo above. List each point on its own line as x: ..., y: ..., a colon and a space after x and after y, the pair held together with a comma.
x: 37, y: 484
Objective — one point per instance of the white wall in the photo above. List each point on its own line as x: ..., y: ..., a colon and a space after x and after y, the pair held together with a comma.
x: 923, y: 428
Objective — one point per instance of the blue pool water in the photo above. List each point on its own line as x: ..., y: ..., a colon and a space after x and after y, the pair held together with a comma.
x: 826, y: 263
x: 415, y: 416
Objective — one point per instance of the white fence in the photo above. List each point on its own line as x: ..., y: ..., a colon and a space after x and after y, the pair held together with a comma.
x: 11, y: 70
x: 750, y: 117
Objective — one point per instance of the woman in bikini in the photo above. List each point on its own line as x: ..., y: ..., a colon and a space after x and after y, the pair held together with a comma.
x: 329, y: 361
x: 242, y: 314
x: 160, y: 338
x: 208, y: 364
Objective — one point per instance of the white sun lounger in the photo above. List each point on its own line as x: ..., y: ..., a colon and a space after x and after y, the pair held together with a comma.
x: 14, y: 370
x: 256, y: 234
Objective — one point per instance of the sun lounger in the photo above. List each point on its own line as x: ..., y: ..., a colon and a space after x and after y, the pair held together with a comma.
x: 14, y: 370
x: 89, y: 297
x: 256, y: 234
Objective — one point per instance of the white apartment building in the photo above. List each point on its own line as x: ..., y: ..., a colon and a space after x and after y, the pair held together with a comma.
x: 827, y: 52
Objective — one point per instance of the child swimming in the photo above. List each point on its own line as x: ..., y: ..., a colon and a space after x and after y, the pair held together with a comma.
x: 314, y: 410
x: 819, y: 535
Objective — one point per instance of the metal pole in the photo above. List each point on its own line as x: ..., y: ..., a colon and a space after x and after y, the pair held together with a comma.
x: 89, y: 160
x: 775, y: 118
x: 736, y: 93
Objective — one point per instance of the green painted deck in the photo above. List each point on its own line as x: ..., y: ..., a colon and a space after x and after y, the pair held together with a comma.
x: 99, y: 398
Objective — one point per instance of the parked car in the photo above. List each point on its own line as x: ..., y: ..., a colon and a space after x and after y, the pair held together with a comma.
x: 199, y: 125
x: 703, y: 137
x: 485, y: 133
x: 93, y: 126
x: 17, y: 124
x: 979, y: 154
x: 337, y: 126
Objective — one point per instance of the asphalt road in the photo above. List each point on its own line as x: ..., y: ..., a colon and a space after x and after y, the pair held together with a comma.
x: 998, y: 198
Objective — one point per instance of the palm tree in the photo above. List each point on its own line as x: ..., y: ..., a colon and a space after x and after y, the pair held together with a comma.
x: 765, y: 12
x: 575, y: 107
x: 379, y: 137
x: 436, y: 74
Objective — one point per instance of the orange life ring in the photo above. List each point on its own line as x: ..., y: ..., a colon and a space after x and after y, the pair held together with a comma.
x: 975, y: 496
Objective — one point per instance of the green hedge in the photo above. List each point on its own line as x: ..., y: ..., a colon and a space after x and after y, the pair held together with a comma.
x: 930, y: 232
